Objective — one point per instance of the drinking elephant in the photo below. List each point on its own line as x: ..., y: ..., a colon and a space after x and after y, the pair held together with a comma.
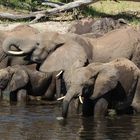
x: 15, y: 78
x: 53, y: 51
x: 101, y: 80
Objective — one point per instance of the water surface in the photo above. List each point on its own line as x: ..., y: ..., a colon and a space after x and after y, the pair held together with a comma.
x: 38, y: 122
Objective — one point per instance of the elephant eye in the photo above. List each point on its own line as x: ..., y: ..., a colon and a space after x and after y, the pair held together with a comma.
x: 37, y: 44
x: 14, y: 48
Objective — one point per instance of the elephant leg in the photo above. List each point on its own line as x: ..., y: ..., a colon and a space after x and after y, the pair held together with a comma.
x: 100, y: 108
x: 78, y: 106
x: 87, y: 107
x: 22, y: 95
x: 95, y: 108
x: 13, y: 96
x: 6, y: 96
x: 1, y: 94
x: 50, y: 92
x: 19, y: 96
x: 129, y: 98
x: 58, y: 88
x: 103, y: 84
x: 136, y: 100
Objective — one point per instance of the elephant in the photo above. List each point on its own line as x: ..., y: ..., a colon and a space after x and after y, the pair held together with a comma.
x: 51, y: 45
x: 19, y: 77
x: 22, y: 31
x: 95, y: 28
x: 53, y: 51
x: 104, y: 80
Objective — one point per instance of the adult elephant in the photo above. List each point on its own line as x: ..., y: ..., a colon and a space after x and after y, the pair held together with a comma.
x: 52, y: 50
x: 22, y: 31
x: 45, y: 51
x: 116, y: 81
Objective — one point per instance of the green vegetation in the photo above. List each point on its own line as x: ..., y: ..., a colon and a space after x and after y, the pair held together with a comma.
x: 29, y: 5
x: 130, y: 11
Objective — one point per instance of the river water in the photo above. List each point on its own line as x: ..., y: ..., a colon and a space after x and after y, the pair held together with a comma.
x: 38, y: 122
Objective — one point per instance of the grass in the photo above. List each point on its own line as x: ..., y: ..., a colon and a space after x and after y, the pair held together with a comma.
x: 28, y: 5
x: 130, y: 11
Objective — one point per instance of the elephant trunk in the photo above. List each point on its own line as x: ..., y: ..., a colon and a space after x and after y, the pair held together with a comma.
x: 65, y: 107
x: 21, y: 46
x: 69, y: 96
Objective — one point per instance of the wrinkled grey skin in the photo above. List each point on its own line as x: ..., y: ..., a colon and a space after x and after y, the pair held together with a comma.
x: 19, y: 31
x: 45, y: 51
x: 44, y: 47
x: 104, y: 78
x: 15, y: 78
x: 54, y: 49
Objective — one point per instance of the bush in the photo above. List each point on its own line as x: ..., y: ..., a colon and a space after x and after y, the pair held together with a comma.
x: 20, y: 4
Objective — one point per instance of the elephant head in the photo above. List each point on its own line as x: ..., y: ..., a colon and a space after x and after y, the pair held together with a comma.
x: 38, y: 46
x: 72, y: 92
x: 77, y: 90
x: 19, y: 46
x: 80, y: 82
x: 12, y: 79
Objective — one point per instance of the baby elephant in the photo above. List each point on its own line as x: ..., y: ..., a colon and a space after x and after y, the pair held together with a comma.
x: 101, y: 79
x: 16, y: 78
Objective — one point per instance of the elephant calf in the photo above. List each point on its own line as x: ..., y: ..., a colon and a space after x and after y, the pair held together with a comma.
x: 15, y: 78
x: 101, y: 79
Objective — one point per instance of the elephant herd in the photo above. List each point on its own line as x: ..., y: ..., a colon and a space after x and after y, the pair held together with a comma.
x: 102, y: 72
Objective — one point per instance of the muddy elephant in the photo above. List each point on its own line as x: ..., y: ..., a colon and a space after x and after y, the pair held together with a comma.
x: 15, y: 78
x: 22, y: 31
x: 98, y: 80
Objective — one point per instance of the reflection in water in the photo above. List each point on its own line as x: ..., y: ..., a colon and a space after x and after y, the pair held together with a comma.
x: 38, y: 122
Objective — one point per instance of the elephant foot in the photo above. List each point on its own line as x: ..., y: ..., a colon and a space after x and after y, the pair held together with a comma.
x: 22, y: 95
x: 100, y: 108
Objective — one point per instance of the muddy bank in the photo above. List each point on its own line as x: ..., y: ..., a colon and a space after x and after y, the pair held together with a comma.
x: 61, y: 27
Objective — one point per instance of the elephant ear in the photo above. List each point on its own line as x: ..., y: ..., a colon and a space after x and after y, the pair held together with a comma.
x: 52, y: 40
x: 19, y: 80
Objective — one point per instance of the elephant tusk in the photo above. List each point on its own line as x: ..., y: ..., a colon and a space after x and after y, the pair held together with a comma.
x: 16, y: 53
x: 59, y: 74
x: 80, y: 98
x: 61, y: 98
